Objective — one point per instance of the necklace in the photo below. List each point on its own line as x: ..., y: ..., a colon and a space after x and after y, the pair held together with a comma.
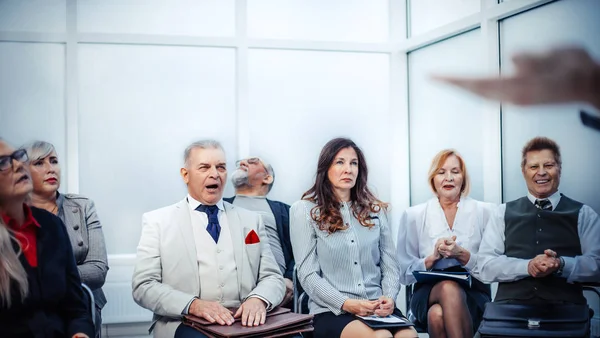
x: 55, y: 209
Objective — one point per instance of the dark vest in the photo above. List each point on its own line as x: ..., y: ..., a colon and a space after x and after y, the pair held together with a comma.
x: 528, y: 232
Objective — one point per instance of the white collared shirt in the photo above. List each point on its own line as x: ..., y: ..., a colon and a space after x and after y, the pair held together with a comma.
x: 422, y: 225
x: 495, y: 266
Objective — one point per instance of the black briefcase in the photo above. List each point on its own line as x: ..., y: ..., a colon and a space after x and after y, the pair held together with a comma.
x: 519, y: 320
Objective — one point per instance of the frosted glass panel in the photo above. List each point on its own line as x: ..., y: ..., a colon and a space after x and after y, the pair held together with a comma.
x: 33, y: 15
x: 300, y: 100
x: 140, y: 106
x: 442, y: 117
x: 331, y: 20
x: 174, y: 17
x: 32, y: 94
x: 426, y: 15
x: 561, y: 22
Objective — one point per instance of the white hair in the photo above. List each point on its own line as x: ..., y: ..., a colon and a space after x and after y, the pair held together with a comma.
x: 202, y: 144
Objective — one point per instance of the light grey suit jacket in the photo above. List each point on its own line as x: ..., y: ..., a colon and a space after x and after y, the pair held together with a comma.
x: 166, y: 277
x: 87, y: 240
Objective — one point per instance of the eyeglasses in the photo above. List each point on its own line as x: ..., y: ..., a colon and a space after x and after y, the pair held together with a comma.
x: 251, y: 160
x: 6, y: 162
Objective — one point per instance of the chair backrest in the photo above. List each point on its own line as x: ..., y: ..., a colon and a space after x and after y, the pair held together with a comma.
x: 418, y: 326
x: 90, y: 301
x: 300, y: 297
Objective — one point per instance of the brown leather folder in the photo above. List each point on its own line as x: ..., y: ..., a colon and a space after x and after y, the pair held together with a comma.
x: 280, y: 323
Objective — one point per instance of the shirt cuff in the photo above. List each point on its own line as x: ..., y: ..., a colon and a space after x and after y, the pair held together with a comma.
x: 568, y: 268
x: 268, y: 304
x: 186, y: 310
x: 471, y: 263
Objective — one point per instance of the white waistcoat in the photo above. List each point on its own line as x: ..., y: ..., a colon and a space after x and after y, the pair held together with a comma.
x: 216, y: 262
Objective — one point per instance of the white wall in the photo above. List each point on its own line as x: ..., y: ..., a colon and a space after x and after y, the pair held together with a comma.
x: 122, y: 87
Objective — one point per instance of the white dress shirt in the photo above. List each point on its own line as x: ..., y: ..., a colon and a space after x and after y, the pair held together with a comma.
x: 495, y: 266
x: 422, y: 225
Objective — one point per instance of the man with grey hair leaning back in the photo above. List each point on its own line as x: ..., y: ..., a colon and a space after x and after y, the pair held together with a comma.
x: 202, y: 255
x: 253, y: 180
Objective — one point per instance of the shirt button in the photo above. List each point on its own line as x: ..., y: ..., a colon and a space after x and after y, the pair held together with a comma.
x: 540, y: 230
x: 359, y: 284
x: 535, y: 288
x: 222, y: 284
x: 221, y: 267
x: 352, y: 241
x: 76, y: 227
x: 537, y: 242
x: 347, y: 224
x: 218, y: 250
x: 75, y: 211
x: 80, y: 243
x: 355, y: 263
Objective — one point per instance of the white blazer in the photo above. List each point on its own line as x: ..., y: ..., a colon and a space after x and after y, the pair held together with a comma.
x: 166, y: 277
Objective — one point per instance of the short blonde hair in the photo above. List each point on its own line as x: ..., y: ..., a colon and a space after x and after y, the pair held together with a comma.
x: 438, y: 162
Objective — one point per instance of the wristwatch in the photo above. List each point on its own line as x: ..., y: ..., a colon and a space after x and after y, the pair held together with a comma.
x: 561, y: 266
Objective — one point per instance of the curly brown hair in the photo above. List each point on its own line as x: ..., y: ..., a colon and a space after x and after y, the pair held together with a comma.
x: 326, y: 212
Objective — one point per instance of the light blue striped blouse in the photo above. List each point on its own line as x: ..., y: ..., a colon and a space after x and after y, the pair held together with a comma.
x: 356, y: 263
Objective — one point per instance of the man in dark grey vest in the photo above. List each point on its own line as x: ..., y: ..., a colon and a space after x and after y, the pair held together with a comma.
x: 537, y: 247
x: 253, y: 180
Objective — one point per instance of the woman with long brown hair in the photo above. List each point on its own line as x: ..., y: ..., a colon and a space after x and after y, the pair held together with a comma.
x: 344, y: 252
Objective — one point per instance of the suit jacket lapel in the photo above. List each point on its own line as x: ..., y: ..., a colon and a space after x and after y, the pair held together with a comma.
x: 237, y: 239
x: 185, y: 226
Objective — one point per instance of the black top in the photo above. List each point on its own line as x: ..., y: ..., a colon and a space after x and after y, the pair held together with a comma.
x: 55, y: 306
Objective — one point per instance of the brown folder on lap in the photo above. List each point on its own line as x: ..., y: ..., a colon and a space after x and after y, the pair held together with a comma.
x: 202, y: 321
x: 280, y: 322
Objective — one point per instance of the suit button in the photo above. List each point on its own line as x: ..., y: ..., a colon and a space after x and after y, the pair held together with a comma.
x: 539, y: 216
x: 76, y: 227
x: 80, y: 243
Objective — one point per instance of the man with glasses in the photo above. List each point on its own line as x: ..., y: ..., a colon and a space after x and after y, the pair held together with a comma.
x: 253, y: 180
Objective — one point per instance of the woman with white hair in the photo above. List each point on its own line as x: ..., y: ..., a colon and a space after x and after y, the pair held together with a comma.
x: 79, y: 216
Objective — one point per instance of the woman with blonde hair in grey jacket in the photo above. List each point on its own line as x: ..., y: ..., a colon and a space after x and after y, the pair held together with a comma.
x: 79, y: 216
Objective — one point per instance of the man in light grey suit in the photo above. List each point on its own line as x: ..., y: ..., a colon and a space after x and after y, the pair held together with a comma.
x: 202, y: 255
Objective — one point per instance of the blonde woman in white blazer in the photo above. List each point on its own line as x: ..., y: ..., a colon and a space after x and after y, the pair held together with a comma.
x: 444, y: 234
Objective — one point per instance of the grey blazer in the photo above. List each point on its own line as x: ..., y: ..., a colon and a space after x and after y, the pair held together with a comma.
x: 85, y: 233
x: 166, y: 278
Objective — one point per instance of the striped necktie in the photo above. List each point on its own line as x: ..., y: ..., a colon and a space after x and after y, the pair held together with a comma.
x: 543, y: 204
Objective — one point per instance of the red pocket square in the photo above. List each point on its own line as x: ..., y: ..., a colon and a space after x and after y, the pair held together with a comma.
x: 252, y: 238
